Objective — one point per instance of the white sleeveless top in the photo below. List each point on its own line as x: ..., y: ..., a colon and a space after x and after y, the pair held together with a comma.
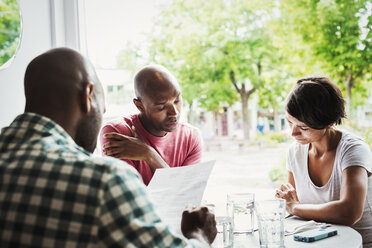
x: 351, y: 151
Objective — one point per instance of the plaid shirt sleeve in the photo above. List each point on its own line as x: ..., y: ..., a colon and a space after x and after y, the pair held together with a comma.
x: 127, y: 217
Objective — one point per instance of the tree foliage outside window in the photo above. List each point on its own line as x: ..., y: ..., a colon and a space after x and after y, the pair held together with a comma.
x: 10, y: 29
x: 336, y: 36
x: 220, y: 50
x: 225, y: 51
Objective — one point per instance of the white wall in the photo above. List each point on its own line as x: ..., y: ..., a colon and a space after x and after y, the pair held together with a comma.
x: 46, y: 24
x: 36, y: 38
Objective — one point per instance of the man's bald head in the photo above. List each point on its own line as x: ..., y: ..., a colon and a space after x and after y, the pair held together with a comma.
x: 152, y: 80
x: 158, y: 99
x: 62, y: 85
x: 55, y: 78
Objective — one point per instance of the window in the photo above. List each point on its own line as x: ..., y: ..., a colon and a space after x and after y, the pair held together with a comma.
x: 114, y: 25
x: 10, y: 30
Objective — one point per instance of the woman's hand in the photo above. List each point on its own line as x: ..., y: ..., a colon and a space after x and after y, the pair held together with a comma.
x: 288, y: 193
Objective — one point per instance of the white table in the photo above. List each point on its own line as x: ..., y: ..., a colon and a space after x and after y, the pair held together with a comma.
x: 347, y: 237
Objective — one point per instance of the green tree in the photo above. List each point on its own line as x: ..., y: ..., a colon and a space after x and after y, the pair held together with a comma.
x: 275, y: 90
x: 218, y: 49
x: 10, y: 29
x: 334, y: 36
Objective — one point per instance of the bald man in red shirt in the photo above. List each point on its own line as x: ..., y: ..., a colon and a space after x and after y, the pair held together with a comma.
x: 154, y: 138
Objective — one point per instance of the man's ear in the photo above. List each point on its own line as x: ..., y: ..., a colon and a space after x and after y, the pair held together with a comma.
x: 88, y: 97
x: 138, y: 104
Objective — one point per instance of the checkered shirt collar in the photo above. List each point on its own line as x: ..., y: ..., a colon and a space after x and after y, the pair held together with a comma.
x: 39, y: 124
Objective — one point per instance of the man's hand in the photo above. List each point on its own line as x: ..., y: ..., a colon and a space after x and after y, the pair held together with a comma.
x: 199, y: 223
x: 288, y: 193
x: 125, y: 147
x: 132, y: 148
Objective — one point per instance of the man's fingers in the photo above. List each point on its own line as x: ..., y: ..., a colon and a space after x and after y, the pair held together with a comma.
x: 111, y: 152
x: 198, y: 212
x: 114, y: 136
x: 114, y: 155
x: 194, y: 218
x: 111, y: 144
x: 185, y: 213
x: 204, y: 209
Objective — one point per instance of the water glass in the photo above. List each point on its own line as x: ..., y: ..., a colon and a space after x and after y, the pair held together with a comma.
x: 240, y: 207
x: 270, y: 216
x: 224, y: 227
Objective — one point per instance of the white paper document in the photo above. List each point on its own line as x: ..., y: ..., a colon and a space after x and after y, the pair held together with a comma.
x: 172, y: 189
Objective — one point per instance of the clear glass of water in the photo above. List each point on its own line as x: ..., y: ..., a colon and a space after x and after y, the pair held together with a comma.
x: 225, y: 234
x: 240, y: 208
x: 270, y: 216
x: 225, y: 237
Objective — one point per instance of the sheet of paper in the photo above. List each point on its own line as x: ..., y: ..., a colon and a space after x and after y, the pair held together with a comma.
x: 172, y: 189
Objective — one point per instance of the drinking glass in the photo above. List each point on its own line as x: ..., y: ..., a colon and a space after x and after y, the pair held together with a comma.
x: 240, y: 208
x: 224, y: 227
x: 270, y: 216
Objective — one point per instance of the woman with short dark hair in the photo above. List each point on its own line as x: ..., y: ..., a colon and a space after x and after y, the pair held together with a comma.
x: 328, y: 169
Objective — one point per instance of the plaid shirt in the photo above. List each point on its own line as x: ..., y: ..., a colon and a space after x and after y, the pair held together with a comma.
x: 53, y: 193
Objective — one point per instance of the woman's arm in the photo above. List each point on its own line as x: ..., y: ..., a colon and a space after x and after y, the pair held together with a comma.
x: 346, y: 211
x: 291, y: 179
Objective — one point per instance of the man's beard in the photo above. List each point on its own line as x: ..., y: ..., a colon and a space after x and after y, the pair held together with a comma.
x: 87, y: 132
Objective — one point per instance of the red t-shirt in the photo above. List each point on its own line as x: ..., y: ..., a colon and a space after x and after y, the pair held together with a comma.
x: 178, y: 148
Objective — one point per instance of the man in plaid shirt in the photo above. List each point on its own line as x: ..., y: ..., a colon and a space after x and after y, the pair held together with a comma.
x: 54, y: 192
